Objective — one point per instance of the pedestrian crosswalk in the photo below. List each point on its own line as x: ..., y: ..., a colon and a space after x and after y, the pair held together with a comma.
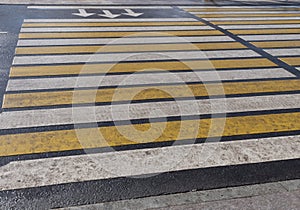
x: 82, y: 86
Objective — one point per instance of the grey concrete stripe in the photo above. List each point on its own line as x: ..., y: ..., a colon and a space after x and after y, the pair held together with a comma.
x: 140, y: 79
x: 90, y: 114
x: 284, y: 52
x: 117, y: 57
x: 259, y: 26
x: 108, y: 20
x: 271, y: 37
x: 136, y: 40
x: 52, y: 171
x: 112, y: 29
x: 252, y: 18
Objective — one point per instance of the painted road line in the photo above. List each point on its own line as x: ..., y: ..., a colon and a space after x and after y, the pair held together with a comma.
x: 65, y: 116
x: 118, y: 34
x: 53, y: 171
x: 117, y: 57
x: 28, y: 71
x: 279, y: 12
x: 60, y: 20
x: 251, y: 22
x: 252, y: 18
x: 259, y: 26
x: 248, y: 15
x: 133, y: 40
x: 98, y: 7
x: 143, y: 79
x: 154, y: 92
x: 277, y: 44
x: 127, y: 48
x: 294, y: 61
x: 66, y: 140
x: 102, y: 24
x: 241, y: 7
x: 113, y: 29
x: 284, y: 52
x: 267, y: 31
x: 269, y: 37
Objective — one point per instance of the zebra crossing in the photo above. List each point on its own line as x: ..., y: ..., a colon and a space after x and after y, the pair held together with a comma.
x: 149, y: 95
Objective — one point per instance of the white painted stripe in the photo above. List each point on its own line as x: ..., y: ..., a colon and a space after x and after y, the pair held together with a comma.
x: 247, y: 12
x: 117, y: 57
x: 112, y: 29
x: 138, y: 79
x: 99, y: 7
x: 252, y: 18
x: 268, y: 37
x: 239, y: 7
x: 62, y: 116
x: 109, y: 20
x: 259, y: 26
x: 284, y: 52
x: 136, y: 40
x: 51, y: 171
x: 3, y: 32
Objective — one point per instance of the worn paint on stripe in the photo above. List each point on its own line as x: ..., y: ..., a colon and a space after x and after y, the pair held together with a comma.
x: 95, y: 24
x: 294, y: 61
x: 119, y: 57
x: 222, y: 9
x: 268, y: 37
x: 251, y: 22
x: 135, y: 40
x: 284, y: 52
x: 117, y: 34
x: 65, y: 140
x: 277, y: 44
x: 267, y: 31
x: 252, y: 18
x: 127, y: 48
x: 260, y: 26
x: 153, y: 92
x: 21, y: 71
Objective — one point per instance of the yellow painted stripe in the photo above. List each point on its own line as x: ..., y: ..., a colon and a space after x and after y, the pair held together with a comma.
x: 294, y: 61
x: 21, y: 71
x: 255, y: 22
x: 246, y: 15
x: 127, y: 48
x: 118, y: 34
x: 239, y: 9
x: 267, y: 31
x: 154, y: 92
x: 92, y: 24
x: 65, y: 140
x: 274, y: 44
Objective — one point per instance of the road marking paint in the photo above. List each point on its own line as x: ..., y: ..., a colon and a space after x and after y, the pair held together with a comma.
x: 240, y: 7
x: 64, y: 116
x: 256, y: 9
x: 251, y: 22
x: 117, y: 164
x: 142, y: 79
x: 65, y: 140
x: 108, y: 20
x: 99, y: 7
x: 269, y: 37
x: 278, y: 15
x: 106, y: 95
x: 87, y: 24
x: 279, y: 12
x: 127, y: 48
x: 295, y: 61
x: 135, y: 40
x: 259, y: 26
x: 117, y: 57
x: 117, y: 34
x: 113, y: 29
x: 20, y: 71
x: 284, y: 52
x: 277, y: 44
x: 267, y: 31
x: 252, y: 18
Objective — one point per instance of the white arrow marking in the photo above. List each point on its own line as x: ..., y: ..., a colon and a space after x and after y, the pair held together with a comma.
x: 108, y: 14
x: 83, y: 13
x: 132, y: 13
